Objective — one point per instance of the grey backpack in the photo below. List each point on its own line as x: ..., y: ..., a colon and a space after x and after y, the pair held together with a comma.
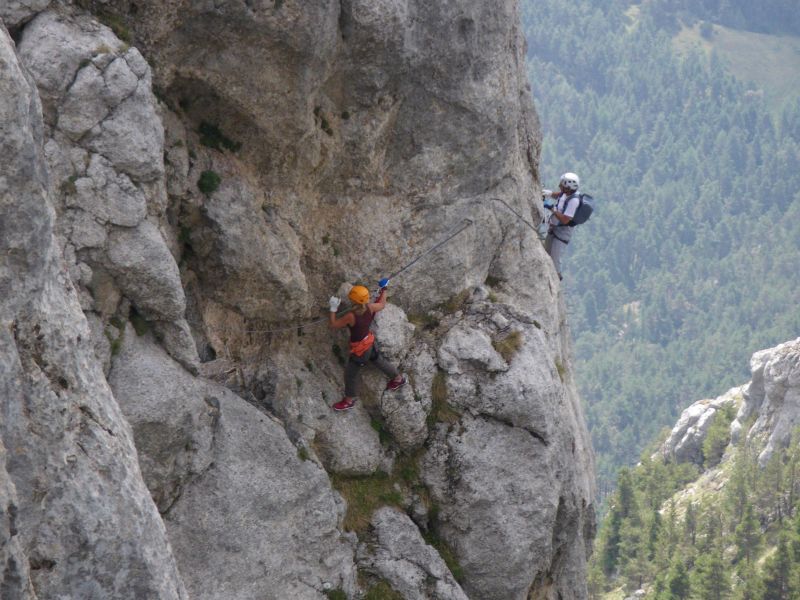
x: 584, y: 210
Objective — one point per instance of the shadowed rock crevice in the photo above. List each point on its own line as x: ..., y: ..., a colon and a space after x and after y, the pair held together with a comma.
x: 203, y: 110
x: 92, y: 417
x: 345, y: 20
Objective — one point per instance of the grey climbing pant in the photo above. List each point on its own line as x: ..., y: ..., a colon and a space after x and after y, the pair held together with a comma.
x: 554, y: 247
x: 352, y: 369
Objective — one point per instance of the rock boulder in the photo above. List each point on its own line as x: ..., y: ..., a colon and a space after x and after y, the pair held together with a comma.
x: 401, y: 556
x: 685, y: 441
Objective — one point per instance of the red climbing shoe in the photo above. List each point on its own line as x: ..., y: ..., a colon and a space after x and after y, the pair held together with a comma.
x: 344, y: 404
x: 394, y: 384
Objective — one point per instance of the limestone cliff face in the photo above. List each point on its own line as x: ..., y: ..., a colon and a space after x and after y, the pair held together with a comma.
x: 188, y: 189
x: 774, y: 395
x: 767, y: 408
x: 76, y: 511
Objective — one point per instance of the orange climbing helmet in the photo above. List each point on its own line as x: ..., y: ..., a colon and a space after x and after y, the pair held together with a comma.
x: 359, y: 294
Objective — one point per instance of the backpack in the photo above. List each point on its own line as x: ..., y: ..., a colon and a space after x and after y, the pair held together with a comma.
x: 584, y: 210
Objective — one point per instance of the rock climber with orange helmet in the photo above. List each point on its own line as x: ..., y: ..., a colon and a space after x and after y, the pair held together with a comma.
x: 363, y: 348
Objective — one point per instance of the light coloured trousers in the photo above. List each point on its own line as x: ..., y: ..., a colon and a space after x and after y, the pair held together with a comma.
x: 554, y: 247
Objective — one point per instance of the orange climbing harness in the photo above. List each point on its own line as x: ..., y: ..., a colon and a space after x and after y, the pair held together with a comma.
x: 360, y: 347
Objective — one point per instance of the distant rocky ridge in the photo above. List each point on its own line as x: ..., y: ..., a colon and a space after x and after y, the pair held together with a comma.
x: 768, y: 408
x: 182, y: 182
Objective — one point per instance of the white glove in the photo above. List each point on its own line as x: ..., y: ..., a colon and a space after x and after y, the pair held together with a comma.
x: 334, y: 303
x: 547, y: 193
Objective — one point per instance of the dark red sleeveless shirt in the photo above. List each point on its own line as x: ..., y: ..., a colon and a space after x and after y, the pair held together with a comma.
x: 360, y: 330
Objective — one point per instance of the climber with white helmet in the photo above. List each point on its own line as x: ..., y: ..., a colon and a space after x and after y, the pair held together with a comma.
x: 559, y: 230
x: 363, y: 348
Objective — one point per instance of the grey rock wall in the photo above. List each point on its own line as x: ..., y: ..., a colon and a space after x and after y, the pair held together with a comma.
x: 773, y: 394
x: 513, y: 475
x: 105, y: 156
x: 247, y: 517
x: 14, y: 13
x: 768, y: 408
x: 347, y: 138
x: 400, y: 555
x: 685, y: 441
x: 78, y: 517
x: 399, y: 119
x: 15, y: 582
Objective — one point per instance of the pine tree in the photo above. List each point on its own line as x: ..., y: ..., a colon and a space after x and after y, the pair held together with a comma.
x: 749, y: 586
x: 710, y: 578
x: 623, y: 506
x: 678, y: 581
x: 690, y: 524
x: 610, y: 539
x: 665, y: 547
x: 770, y: 487
x: 596, y: 581
x: 791, y: 484
x: 747, y: 535
x: 741, y: 483
x: 777, y: 581
x: 654, y: 528
x: 634, y: 562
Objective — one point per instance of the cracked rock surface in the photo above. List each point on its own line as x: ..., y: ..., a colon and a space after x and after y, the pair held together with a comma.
x: 79, y: 517
x: 400, y: 555
x: 510, y: 481
x: 174, y: 439
x: 774, y: 395
x: 685, y: 441
x: 188, y: 185
x: 105, y: 154
x: 768, y: 408
x: 271, y: 517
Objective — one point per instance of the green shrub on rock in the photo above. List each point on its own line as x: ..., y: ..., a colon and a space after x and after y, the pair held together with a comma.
x: 209, y: 182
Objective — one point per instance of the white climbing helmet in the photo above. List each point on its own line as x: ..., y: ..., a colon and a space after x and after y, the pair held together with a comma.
x: 570, y: 181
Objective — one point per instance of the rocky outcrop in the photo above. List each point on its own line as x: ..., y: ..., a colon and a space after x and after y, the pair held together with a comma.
x: 773, y: 397
x: 105, y: 154
x: 79, y: 519
x: 174, y: 416
x: 278, y: 535
x: 407, y: 118
x: 768, y: 409
x: 215, y: 174
x: 16, y: 12
x: 246, y: 515
x: 685, y: 441
x: 511, y: 540
x: 399, y: 555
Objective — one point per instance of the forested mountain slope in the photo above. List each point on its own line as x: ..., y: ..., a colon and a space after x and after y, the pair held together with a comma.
x: 765, y: 16
x: 714, y: 513
x: 691, y: 262
x: 768, y: 64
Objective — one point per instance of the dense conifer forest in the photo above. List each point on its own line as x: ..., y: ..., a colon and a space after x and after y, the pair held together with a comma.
x: 740, y: 540
x: 691, y: 262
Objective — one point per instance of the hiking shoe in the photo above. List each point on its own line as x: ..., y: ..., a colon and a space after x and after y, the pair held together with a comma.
x: 344, y: 404
x: 394, y: 385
